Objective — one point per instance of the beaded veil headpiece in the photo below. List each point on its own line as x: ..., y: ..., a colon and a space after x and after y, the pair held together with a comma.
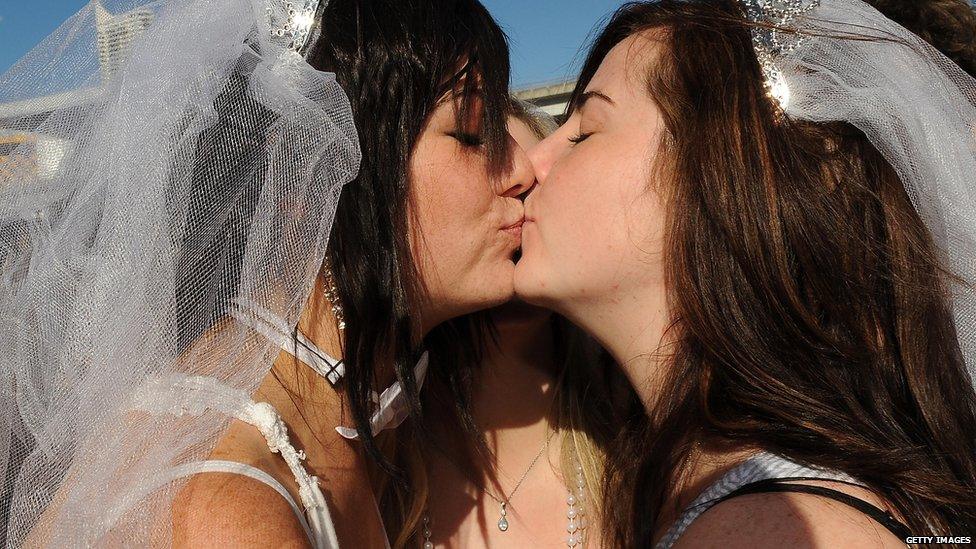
x: 296, y: 28
x: 771, y: 38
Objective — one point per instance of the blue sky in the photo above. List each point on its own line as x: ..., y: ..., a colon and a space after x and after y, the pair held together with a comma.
x: 546, y: 35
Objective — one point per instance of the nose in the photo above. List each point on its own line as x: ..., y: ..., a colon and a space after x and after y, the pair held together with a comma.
x: 521, y: 177
x: 541, y: 158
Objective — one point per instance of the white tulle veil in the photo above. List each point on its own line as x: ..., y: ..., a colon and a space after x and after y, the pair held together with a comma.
x: 160, y: 161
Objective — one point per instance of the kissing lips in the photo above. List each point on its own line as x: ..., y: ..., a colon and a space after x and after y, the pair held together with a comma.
x: 515, y: 228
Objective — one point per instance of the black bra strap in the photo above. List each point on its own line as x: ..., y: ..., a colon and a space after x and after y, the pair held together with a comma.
x: 882, y: 517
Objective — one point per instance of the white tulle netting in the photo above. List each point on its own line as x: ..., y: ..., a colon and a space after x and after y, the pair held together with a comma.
x: 158, y: 160
x: 916, y: 106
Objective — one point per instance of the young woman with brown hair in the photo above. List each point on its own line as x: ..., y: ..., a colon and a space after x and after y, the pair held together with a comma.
x: 769, y: 237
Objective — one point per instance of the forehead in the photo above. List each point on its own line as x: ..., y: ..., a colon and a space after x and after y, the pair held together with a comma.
x: 450, y: 104
x: 623, y: 72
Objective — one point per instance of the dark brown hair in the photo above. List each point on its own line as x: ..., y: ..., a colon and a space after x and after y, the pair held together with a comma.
x: 810, y: 307
x: 396, y: 61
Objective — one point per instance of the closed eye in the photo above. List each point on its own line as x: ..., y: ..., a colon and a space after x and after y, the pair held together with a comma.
x: 467, y: 139
x: 579, y: 138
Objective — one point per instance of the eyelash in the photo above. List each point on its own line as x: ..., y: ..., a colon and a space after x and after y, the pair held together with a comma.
x: 467, y: 139
x: 577, y: 139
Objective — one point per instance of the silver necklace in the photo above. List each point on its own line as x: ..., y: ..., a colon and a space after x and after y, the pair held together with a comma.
x: 503, y: 513
x: 574, y: 502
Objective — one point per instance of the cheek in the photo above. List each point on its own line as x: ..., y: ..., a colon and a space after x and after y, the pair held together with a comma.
x: 587, y: 199
x: 452, y: 200
x: 592, y: 224
x: 578, y: 211
x: 598, y: 230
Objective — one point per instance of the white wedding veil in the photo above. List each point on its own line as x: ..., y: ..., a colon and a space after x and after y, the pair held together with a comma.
x: 159, y: 161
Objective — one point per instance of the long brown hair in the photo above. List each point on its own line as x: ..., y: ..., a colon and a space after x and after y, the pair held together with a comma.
x: 810, y: 307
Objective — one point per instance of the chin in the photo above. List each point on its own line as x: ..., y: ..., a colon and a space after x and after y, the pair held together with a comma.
x: 492, y: 289
x: 531, y: 285
x: 503, y: 284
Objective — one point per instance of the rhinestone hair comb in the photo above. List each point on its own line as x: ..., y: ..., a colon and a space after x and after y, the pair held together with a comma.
x: 775, y: 39
x: 297, y: 25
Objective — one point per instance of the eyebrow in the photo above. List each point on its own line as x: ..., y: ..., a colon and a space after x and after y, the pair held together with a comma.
x: 586, y: 96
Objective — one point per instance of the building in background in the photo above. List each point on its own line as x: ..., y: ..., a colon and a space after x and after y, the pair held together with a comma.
x: 551, y: 97
x: 115, y: 35
x: 26, y: 153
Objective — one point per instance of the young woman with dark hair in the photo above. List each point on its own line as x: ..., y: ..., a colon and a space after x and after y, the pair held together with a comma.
x: 423, y: 237
x: 766, y: 282
x: 516, y: 452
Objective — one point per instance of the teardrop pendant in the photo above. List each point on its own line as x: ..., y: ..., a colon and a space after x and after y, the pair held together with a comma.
x: 503, y: 524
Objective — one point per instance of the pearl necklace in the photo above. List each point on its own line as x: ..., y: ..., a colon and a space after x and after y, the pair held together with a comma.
x: 574, y: 501
x: 577, y: 522
x: 332, y: 294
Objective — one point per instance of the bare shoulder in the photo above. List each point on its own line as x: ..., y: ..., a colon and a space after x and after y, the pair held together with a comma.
x: 789, y: 519
x: 227, y: 510
x: 231, y: 510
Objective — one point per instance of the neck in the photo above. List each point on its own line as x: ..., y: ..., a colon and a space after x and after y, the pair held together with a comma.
x: 632, y: 328
x: 514, y: 387
x: 291, y: 377
x: 319, y: 323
